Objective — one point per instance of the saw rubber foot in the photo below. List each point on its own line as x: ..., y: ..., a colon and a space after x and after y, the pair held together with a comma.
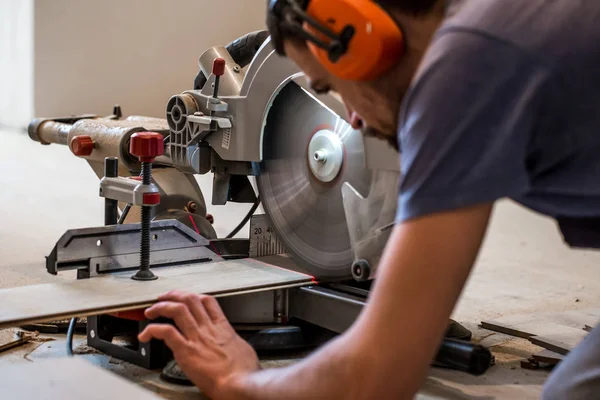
x: 457, y: 331
x: 361, y: 270
x: 144, y: 275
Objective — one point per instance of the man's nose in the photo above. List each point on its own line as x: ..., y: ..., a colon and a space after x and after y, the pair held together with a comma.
x: 356, y: 121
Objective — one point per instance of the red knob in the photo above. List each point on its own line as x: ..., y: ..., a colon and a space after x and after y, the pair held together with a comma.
x: 146, y: 145
x: 218, y: 67
x: 82, y: 146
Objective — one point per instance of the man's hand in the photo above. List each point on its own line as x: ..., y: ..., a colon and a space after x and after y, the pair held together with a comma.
x: 205, y: 346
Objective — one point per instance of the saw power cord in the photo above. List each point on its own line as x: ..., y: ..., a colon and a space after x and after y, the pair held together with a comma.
x: 124, y: 214
x: 245, y: 220
x: 70, y: 333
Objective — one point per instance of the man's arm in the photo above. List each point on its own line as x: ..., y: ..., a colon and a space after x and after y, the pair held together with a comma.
x: 385, y: 354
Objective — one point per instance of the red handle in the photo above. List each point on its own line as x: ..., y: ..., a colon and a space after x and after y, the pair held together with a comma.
x: 147, y: 145
x: 82, y: 146
x: 218, y: 67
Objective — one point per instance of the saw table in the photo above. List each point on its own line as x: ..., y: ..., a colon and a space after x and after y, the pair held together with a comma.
x: 303, y: 275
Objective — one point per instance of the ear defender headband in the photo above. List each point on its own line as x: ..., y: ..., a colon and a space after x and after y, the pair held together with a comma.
x: 353, y: 39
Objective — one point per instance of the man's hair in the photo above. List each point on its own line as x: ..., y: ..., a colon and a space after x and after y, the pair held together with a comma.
x: 413, y: 7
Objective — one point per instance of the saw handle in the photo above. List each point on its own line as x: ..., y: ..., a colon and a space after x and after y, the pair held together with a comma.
x: 218, y: 69
x: 464, y: 356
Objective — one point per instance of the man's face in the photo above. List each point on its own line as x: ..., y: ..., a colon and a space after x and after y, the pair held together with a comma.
x: 365, y: 111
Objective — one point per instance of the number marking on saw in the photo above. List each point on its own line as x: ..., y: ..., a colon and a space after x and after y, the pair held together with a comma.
x: 263, y: 240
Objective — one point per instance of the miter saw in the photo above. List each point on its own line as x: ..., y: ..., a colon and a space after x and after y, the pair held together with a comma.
x: 328, y: 193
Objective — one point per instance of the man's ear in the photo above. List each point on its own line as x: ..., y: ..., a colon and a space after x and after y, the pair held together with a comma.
x: 296, y: 45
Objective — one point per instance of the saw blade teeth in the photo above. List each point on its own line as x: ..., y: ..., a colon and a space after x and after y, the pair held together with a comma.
x: 306, y: 212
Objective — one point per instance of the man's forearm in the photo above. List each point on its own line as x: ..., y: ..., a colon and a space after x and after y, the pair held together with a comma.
x: 330, y: 372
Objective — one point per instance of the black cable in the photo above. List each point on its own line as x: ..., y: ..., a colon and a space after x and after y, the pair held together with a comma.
x: 245, y: 220
x: 124, y: 214
x: 70, y: 333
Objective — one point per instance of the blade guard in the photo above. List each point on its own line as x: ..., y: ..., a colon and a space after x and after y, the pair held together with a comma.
x: 370, y: 221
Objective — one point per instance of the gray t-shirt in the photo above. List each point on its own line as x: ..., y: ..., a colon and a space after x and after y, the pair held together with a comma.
x: 506, y: 104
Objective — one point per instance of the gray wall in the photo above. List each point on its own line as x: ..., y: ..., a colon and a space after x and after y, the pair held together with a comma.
x: 91, y: 54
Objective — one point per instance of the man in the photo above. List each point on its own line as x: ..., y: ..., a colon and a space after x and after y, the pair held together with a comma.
x: 490, y: 99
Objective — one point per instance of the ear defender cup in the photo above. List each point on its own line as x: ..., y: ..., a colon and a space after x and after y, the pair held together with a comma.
x: 377, y: 45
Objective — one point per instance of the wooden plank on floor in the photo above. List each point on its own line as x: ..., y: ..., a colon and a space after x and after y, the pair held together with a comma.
x: 118, y: 292
x: 548, y: 357
x: 559, y: 343
x: 526, y: 330
x: 525, y: 325
x: 557, y: 332
x: 66, y: 378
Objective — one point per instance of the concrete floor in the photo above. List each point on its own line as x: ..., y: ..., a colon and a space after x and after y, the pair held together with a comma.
x: 523, y: 268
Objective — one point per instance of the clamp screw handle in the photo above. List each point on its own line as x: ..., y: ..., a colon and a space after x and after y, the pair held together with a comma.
x: 147, y: 145
x: 82, y: 146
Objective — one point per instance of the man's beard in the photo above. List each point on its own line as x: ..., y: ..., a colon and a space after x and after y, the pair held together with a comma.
x: 391, y: 139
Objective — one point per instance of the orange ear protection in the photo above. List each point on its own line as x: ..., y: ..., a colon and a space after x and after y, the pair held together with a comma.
x: 352, y: 39
x: 376, y: 43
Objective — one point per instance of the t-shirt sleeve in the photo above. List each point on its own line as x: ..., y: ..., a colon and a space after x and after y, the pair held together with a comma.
x: 466, y: 124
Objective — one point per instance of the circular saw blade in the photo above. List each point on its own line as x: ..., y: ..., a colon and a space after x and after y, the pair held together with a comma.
x: 308, y: 214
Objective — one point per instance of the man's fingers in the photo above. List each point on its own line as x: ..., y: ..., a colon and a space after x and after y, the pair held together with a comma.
x: 213, y: 309
x: 193, y: 301
x: 179, y: 313
x: 165, y: 332
x: 173, y: 294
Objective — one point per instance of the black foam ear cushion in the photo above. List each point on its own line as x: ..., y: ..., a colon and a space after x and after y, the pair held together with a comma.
x: 275, y: 26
